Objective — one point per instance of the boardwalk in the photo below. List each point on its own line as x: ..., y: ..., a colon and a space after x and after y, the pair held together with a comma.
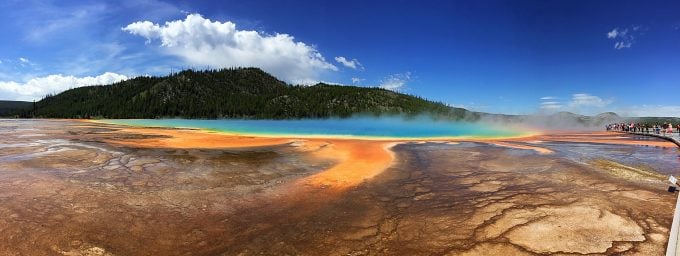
x: 672, y: 137
x: 673, y: 248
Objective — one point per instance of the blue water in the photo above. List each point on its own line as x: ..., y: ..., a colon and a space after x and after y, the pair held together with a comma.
x: 354, y: 127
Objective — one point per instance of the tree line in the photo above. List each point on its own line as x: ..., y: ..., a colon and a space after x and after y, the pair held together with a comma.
x: 247, y: 93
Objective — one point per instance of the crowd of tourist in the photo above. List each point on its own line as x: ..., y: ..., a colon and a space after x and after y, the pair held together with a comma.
x: 663, y: 129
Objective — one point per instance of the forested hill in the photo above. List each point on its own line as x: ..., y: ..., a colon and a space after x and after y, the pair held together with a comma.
x: 232, y: 93
x: 8, y: 107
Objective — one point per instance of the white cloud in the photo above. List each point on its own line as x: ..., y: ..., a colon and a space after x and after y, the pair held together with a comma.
x: 587, y: 104
x: 550, y: 105
x: 353, y: 64
x: 37, y: 88
x: 24, y: 62
x: 621, y: 45
x: 396, y: 82
x: 203, y: 42
x: 586, y: 100
x: 581, y: 103
x: 356, y: 80
x: 650, y: 110
x: 616, y: 32
x: 624, y: 37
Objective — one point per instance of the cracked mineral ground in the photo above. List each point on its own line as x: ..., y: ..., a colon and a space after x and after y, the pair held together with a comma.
x: 84, y: 188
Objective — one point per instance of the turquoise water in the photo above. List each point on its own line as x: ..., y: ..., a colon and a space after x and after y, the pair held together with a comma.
x: 352, y: 127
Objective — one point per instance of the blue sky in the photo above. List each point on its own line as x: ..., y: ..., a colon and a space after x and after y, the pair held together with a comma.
x: 516, y: 57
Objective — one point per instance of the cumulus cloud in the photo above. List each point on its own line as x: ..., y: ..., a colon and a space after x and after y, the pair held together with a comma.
x: 356, y: 80
x: 396, y: 82
x: 36, y: 88
x: 548, y: 98
x: 203, y: 42
x: 353, y: 64
x: 625, y: 37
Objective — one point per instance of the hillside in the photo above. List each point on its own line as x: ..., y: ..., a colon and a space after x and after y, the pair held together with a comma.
x: 251, y: 93
x: 233, y: 93
x: 8, y: 108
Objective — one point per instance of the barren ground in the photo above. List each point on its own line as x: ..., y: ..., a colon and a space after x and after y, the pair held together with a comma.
x: 81, y: 188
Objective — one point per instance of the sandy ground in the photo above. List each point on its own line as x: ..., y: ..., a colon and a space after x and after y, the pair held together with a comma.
x: 82, y: 188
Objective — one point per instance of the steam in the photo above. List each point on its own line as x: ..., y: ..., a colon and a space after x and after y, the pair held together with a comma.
x: 561, y: 121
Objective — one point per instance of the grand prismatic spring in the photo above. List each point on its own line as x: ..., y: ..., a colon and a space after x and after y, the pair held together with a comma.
x: 146, y: 187
x: 346, y: 127
x: 368, y: 128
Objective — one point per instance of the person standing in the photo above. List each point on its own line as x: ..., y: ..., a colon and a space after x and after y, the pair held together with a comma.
x: 670, y: 129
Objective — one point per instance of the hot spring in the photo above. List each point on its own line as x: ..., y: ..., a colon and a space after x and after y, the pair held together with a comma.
x: 392, y: 127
